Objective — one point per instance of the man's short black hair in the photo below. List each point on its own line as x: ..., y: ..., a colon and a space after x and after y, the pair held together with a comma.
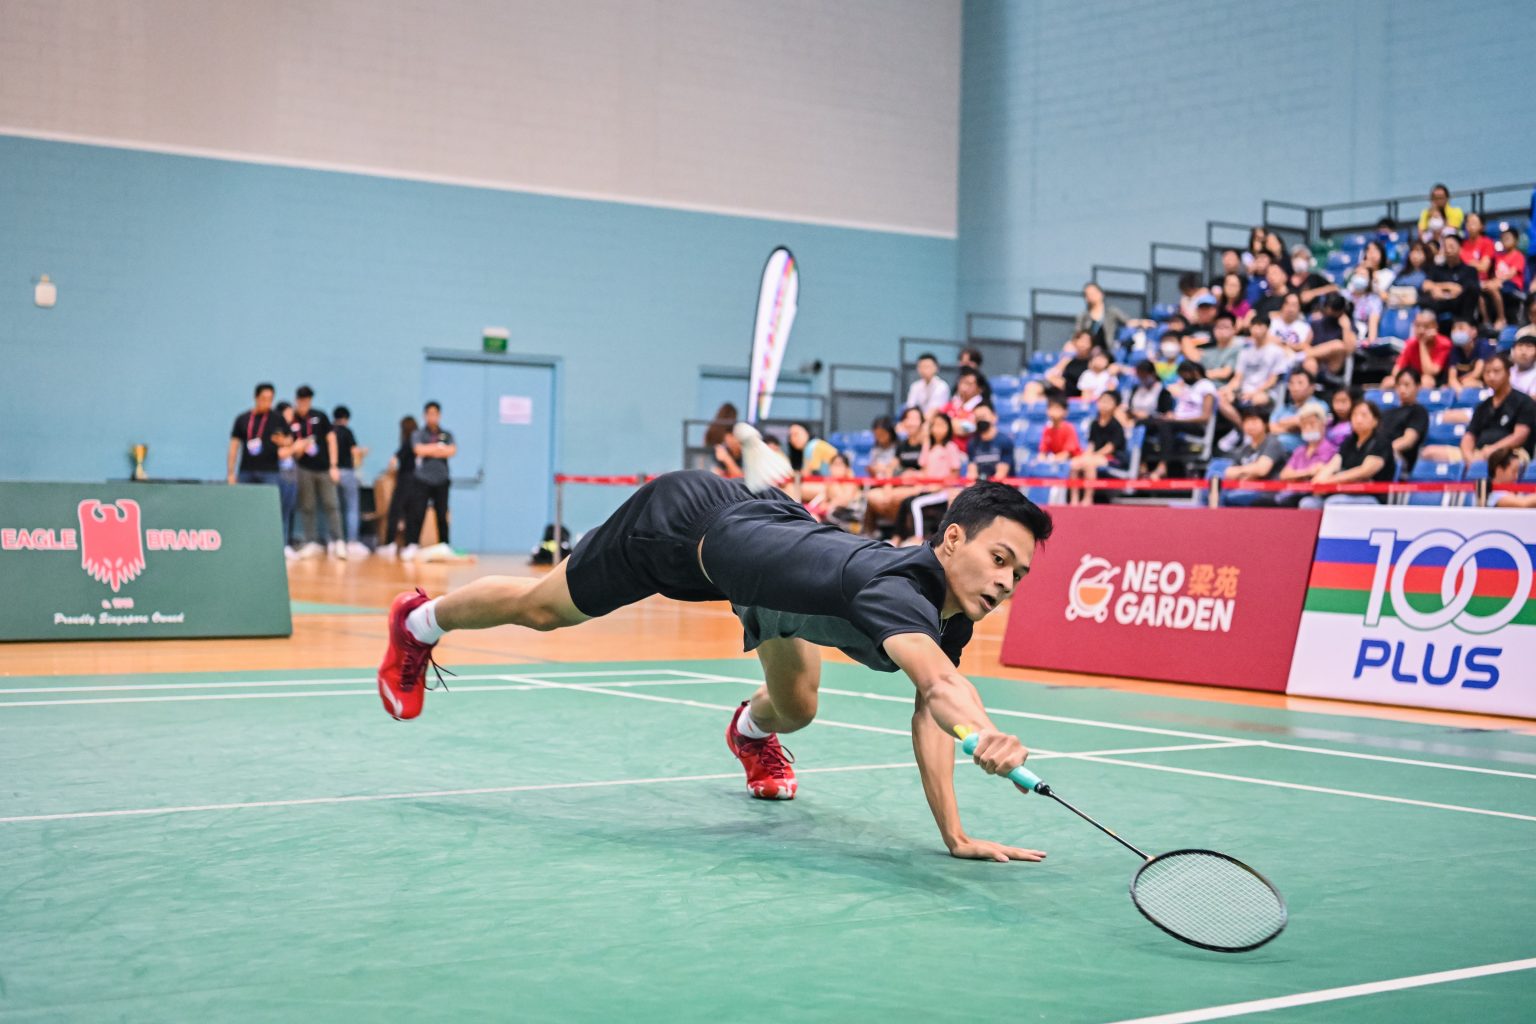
x: 979, y: 504
x: 1439, y: 187
x: 341, y: 412
x: 305, y: 391
x: 1056, y: 398
x: 928, y: 355
x: 1526, y: 339
x: 984, y: 405
x: 1502, y: 358
x: 967, y: 371
x: 432, y: 405
x: 1172, y: 333
x: 1254, y: 412
x: 283, y: 405
x: 1303, y: 372
x: 972, y: 353
x: 263, y: 386
x: 1226, y: 314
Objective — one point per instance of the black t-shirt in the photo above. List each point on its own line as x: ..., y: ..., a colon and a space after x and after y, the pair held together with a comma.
x: 1267, y: 307
x: 789, y: 576
x: 1463, y: 307
x: 255, y: 431
x: 345, y: 441
x: 1074, y: 370
x: 1492, y: 424
x: 909, y: 455
x: 1352, y: 454
x: 1326, y: 328
x: 1314, y: 280
x: 1100, y: 435
x: 1395, y: 422
x: 405, y: 459
x: 314, y: 428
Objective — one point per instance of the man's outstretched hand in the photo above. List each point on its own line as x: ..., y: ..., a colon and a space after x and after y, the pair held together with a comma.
x: 967, y: 848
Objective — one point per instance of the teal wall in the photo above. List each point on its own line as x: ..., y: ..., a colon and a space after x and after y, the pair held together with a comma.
x: 182, y: 281
x: 1090, y: 128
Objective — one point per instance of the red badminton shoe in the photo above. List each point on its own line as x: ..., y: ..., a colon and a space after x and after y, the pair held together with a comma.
x: 403, y: 674
x: 769, y: 775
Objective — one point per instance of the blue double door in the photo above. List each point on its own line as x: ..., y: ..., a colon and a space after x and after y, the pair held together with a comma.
x: 502, y: 415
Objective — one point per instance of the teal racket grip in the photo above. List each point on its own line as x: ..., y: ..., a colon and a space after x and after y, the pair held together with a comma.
x: 1020, y: 776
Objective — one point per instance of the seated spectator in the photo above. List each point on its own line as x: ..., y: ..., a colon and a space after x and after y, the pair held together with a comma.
x: 1386, y: 232
x: 1373, y: 262
x: 1231, y: 297
x: 1258, y: 282
x: 841, y: 501
x: 1426, y: 353
x: 1477, y: 249
x: 1194, y: 404
x: 942, y: 459
x: 1231, y: 263
x: 1170, y: 349
x: 1504, y: 468
x: 1149, y: 398
x: 1410, y: 277
x: 1469, y: 351
x: 1060, y: 440
x: 1300, y: 389
x: 1190, y: 289
x: 1505, y: 288
x: 1256, y: 375
x: 1451, y: 288
x: 1276, y: 288
x: 1314, y: 452
x: 961, y: 408
x: 1306, y: 281
x: 719, y: 440
x: 1367, y: 305
x: 970, y: 359
x: 1103, y: 321
x: 909, y: 431
x: 882, y: 454
x: 1256, y: 239
x: 1522, y: 370
x: 1106, y: 448
x: 1275, y: 246
x: 1261, y: 457
x: 1202, y: 326
x: 1529, y: 330
x: 929, y: 392
x: 1220, y: 357
x: 1342, y: 403
x: 883, y: 505
x: 1365, y: 455
x: 1506, y: 419
x: 1290, y: 330
x: 1333, y: 341
x: 1407, y: 424
x: 991, y: 449
x: 1064, y: 375
x: 1098, y: 378
x: 1440, y: 215
x: 808, y: 455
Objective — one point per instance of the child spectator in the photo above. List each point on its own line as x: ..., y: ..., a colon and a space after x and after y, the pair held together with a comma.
x: 1106, y: 448
x: 1098, y: 378
x: 929, y: 392
x: 1060, y: 439
x: 1504, y: 468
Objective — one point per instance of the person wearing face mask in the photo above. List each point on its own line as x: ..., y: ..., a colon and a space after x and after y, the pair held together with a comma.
x: 1306, y: 281
x: 991, y: 450
x: 1194, y: 403
x: 1440, y: 215
x: 1469, y: 351
x: 1312, y: 454
x: 1365, y: 455
x: 1366, y: 314
x: 1170, y: 350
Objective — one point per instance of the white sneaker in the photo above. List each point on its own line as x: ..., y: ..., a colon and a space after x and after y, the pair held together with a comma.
x: 409, y: 554
x: 387, y: 550
x: 436, y: 553
x: 357, y: 549
x: 311, y: 550
x: 338, y: 549
x: 289, y: 553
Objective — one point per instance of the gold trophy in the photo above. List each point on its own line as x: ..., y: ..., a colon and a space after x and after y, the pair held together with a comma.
x: 138, y: 452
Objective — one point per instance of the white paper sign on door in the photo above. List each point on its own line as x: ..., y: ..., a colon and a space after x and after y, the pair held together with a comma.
x: 516, y: 409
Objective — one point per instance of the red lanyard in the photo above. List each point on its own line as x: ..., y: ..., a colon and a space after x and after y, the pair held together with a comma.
x: 251, y: 419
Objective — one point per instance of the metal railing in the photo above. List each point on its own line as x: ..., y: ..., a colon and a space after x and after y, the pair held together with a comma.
x: 1127, y: 287
x: 1171, y: 261
x: 1311, y: 224
x: 860, y: 394
x: 1052, y: 317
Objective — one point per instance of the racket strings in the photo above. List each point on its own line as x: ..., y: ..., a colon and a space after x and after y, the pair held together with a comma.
x: 1209, y: 899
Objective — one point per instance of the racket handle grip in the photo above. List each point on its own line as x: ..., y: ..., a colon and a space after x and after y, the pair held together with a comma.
x: 1020, y: 776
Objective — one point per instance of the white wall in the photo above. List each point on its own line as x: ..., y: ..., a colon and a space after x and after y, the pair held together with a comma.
x: 843, y: 112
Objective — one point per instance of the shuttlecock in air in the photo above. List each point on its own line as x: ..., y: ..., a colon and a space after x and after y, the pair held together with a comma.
x: 761, y: 467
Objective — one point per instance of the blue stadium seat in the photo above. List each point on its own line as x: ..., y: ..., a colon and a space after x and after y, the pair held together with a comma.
x: 1029, y: 437
x: 1041, y: 361
x: 1340, y: 261
x: 1475, y: 471
x: 1444, y: 433
x: 1040, y: 468
x: 1375, y: 395
x: 1032, y: 410
x: 1216, y: 467
x: 1388, y: 399
x: 860, y: 464
x: 863, y: 441
x: 839, y: 440
x: 1529, y: 476
x: 1077, y: 408
x: 1396, y: 323
x: 1435, y: 399
x: 1005, y: 385
x: 1468, y: 398
x: 1507, y: 337
x: 1443, y: 472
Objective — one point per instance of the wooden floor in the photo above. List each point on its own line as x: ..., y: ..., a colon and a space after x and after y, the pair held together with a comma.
x: 656, y: 629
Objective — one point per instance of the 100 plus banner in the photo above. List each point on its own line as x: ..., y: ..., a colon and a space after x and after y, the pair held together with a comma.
x: 1429, y: 607
x: 1183, y: 595
x: 126, y: 560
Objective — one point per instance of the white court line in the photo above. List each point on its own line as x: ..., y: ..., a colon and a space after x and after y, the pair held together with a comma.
x: 1156, y: 731
x: 493, y: 790
x: 688, y: 680
x: 1328, y: 995
x: 273, y: 682
x: 1099, y: 759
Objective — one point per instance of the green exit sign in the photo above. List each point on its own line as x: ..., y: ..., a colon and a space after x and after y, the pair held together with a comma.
x: 494, y: 339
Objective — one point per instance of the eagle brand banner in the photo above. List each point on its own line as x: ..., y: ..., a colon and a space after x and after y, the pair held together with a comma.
x: 114, y: 561
x: 1183, y: 595
x: 1428, y: 607
x: 777, y: 296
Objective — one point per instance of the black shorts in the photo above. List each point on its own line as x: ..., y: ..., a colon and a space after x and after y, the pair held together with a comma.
x: 650, y: 545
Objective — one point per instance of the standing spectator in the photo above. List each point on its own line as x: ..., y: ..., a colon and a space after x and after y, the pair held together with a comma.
x: 1365, y: 455
x: 1504, y: 469
x: 1506, y: 286
x: 1106, y: 448
x: 1522, y: 370
x: 1306, y: 281
x: 1194, y: 403
x: 1440, y: 215
x: 1469, y: 351
x: 1314, y: 452
x: 1451, y: 288
x: 254, y: 441
x: 1505, y: 419
x: 1101, y: 320
x: 991, y: 449
x: 433, y: 446
x: 318, y: 477
x: 403, y: 465
x: 1063, y: 377
x: 1425, y: 354
x: 928, y: 392
x: 1407, y: 425
x: 1060, y: 439
x: 349, y: 459
x: 288, y: 479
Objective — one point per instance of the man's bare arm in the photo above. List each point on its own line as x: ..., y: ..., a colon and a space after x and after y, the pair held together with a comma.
x: 952, y: 701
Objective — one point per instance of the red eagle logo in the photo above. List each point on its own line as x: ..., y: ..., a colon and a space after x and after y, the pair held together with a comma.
x: 111, y: 545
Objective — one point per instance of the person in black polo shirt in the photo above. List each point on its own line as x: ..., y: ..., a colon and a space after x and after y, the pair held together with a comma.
x: 1365, y: 455
x: 1505, y: 419
x: 318, y: 476
x: 349, y: 458
x: 1451, y: 288
x: 254, y: 441
x: 433, y: 446
x: 1407, y: 425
